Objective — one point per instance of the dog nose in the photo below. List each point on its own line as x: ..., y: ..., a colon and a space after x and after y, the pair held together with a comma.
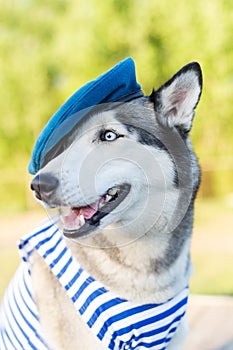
x: 44, y: 185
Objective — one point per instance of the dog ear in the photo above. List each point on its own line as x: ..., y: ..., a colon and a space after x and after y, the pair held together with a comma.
x: 176, y: 100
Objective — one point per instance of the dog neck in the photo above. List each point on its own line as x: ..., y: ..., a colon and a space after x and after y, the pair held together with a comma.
x: 151, y: 269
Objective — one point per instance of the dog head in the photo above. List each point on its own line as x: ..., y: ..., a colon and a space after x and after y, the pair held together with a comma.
x: 126, y: 165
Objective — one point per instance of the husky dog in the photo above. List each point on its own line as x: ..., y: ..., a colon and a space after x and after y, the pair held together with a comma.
x: 124, y: 181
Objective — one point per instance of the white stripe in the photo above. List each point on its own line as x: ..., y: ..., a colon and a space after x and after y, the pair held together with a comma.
x: 25, y: 275
x: 7, y: 327
x: 11, y: 313
x: 21, y: 321
x: 7, y: 318
x: 31, y: 321
x: 5, y: 343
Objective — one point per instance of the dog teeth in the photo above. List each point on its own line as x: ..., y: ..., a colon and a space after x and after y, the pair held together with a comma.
x: 81, y: 220
x: 101, y: 205
x: 108, y: 198
x: 113, y: 191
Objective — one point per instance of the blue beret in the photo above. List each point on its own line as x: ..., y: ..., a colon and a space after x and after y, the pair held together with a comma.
x: 117, y: 84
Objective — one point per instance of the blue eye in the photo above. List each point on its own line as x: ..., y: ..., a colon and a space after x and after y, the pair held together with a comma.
x: 108, y: 135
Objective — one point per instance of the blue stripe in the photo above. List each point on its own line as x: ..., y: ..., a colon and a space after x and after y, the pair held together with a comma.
x: 172, y: 330
x: 65, y: 267
x: 55, y: 261
x: 151, y: 345
x: 3, y: 340
x: 92, y: 297
x: 45, y: 240
x: 74, y: 279
x: 11, y: 328
x: 6, y: 312
x: 85, y: 284
x: 105, y: 306
x: 26, y: 287
x: 51, y: 250
x: 29, y: 252
x: 147, y: 334
x: 24, y: 318
x: 26, y: 304
x: 22, y: 244
x: 159, y: 330
x: 166, y: 339
x: 139, y: 324
x: 21, y: 329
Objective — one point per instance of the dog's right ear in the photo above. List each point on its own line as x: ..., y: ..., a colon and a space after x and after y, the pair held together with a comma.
x: 176, y: 100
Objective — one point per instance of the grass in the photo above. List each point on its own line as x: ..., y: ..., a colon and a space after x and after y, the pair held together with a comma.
x: 212, y: 274
x: 212, y: 247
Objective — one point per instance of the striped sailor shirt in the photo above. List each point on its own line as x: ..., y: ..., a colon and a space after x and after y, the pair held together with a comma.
x: 119, y: 324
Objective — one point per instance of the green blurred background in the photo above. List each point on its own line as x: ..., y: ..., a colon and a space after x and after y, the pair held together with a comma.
x: 50, y: 48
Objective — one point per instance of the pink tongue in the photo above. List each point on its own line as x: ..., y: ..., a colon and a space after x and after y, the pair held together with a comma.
x: 88, y: 211
x: 73, y: 218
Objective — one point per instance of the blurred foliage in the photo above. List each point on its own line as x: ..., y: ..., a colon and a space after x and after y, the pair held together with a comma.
x: 50, y: 48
